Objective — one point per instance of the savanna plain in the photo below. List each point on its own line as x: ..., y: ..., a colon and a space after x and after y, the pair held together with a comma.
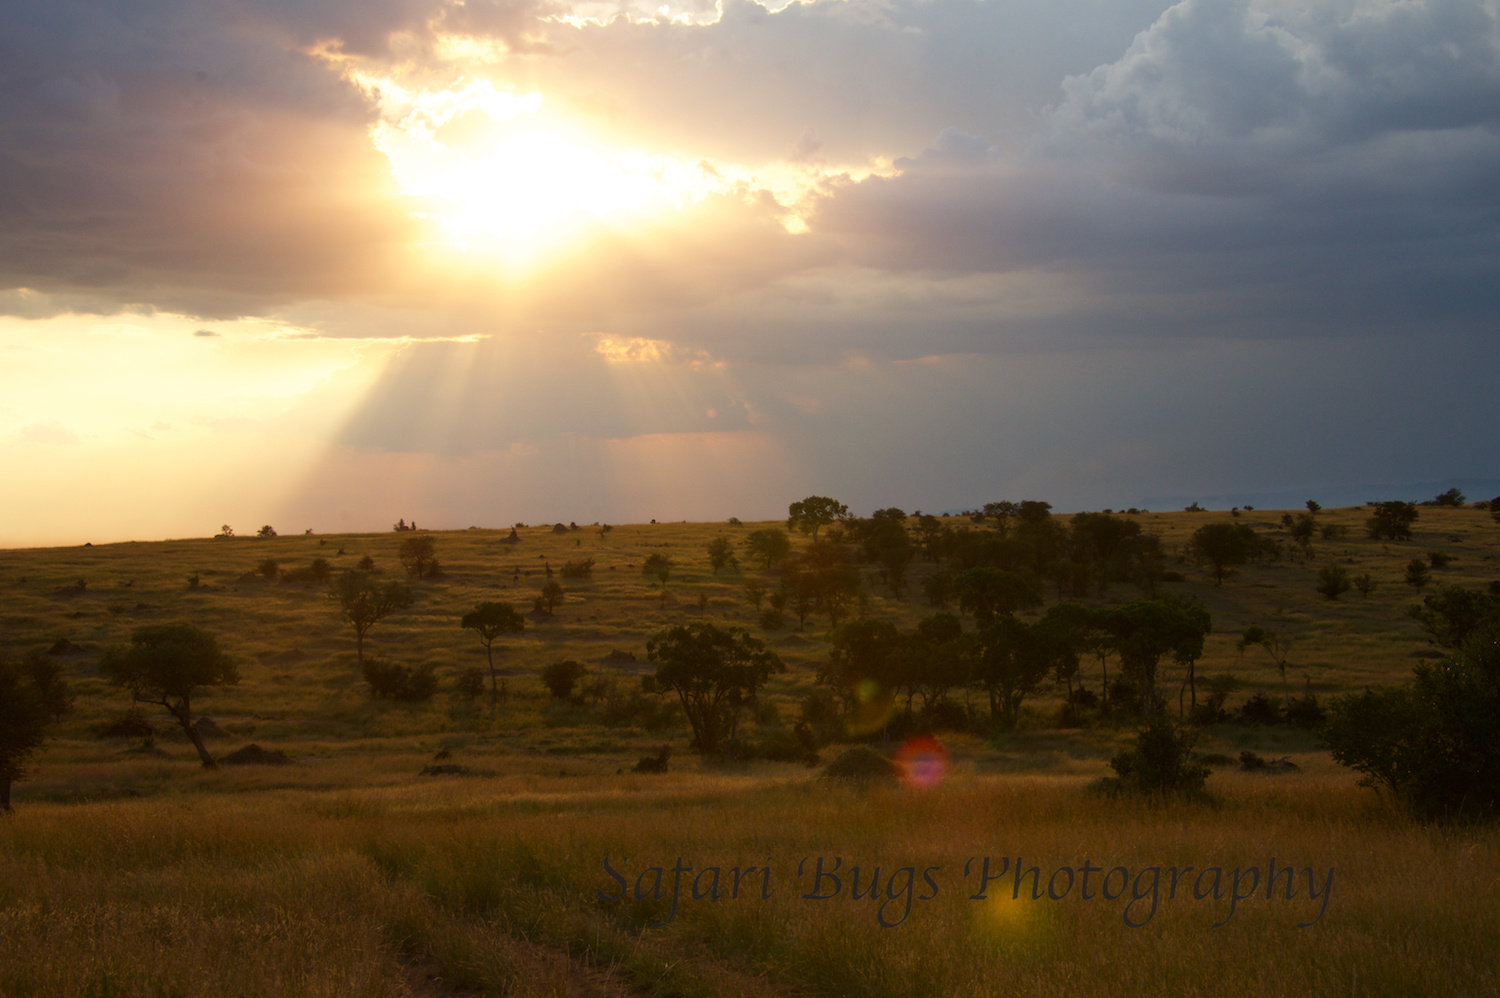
x: 457, y: 844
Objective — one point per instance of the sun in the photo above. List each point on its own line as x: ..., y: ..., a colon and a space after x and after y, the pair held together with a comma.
x: 495, y: 169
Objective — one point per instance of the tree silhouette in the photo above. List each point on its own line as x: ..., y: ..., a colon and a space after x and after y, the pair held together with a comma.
x: 814, y: 512
x: 490, y: 621
x: 164, y: 665
x: 364, y: 603
x: 32, y: 696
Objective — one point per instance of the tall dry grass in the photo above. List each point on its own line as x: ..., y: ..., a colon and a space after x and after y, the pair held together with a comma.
x: 376, y: 891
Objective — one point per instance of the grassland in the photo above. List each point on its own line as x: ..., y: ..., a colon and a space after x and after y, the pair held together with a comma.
x: 129, y: 870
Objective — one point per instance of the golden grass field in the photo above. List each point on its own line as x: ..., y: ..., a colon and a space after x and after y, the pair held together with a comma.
x: 127, y: 870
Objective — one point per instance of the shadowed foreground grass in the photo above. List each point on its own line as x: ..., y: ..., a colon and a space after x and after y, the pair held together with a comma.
x: 456, y: 887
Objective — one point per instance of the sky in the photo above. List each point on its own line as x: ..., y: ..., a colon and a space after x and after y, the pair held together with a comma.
x: 473, y: 262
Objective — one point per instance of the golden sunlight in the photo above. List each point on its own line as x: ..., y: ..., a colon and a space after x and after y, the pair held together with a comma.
x: 497, y: 166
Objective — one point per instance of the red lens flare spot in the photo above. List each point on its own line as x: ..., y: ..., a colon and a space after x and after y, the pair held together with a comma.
x: 925, y: 762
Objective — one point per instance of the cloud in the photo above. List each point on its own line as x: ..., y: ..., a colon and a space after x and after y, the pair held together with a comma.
x: 49, y: 432
x: 205, y: 333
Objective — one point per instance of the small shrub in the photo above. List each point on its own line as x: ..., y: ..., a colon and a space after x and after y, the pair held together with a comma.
x: 193, y: 581
x: 1333, y: 581
x: 654, y: 763
x: 470, y: 684
x: 578, y: 569
x: 560, y: 678
x: 268, y: 568
x: 1260, y: 709
x: 772, y: 619
x: 559, y: 528
x: 389, y: 681
x: 1305, y: 711
x: 1161, y: 761
x: 734, y: 521
x: 1437, y: 559
x: 1249, y: 760
x: 1365, y: 585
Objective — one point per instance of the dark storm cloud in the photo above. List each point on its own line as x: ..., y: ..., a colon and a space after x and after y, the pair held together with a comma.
x: 1260, y: 171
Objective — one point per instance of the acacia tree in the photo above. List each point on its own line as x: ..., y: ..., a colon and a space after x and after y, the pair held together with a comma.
x: 714, y: 672
x: 1223, y: 545
x: 771, y: 545
x: 363, y: 603
x: 164, y: 665
x: 1011, y: 663
x: 32, y: 695
x: 490, y: 621
x: 988, y: 593
x: 813, y: 512
x: 1276, y: 644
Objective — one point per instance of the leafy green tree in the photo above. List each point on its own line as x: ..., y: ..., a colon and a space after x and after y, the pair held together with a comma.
x: 552, y: 593
x: 1417, y: 573
x: 418, y: 555
x: 33, y: 694
x: 165, y: 664
x: 1144, y: 631
x: 659, y: 566
x: 823, y: 572
x: 363, y: 603
x: 1392, y: 521
x: 814, y: 512
x: 1223, y: 545
x: 720, y: 553
x: 491, y: 621
x: 714, y: 673
x: 884, y: 540
x: 1010, y: 664
x: 991, y: 592
x: 266, y: 532
x: 1431, y: 742
x: 1333, y: 581
x: 771, y: 546
x: 862, y: 660
x: 1452, y: 613
x: 1365, y: 584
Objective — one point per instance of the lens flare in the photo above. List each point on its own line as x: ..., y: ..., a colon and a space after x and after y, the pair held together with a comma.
x: 925, y: 762
x: 873, y: 706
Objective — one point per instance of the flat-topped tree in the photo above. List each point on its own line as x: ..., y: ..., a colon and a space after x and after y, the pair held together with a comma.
x: 164, y: 665
x: 363, y: 603
x: 490, y: 621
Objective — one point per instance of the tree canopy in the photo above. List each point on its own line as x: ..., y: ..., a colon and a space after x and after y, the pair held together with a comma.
x: 490, y: 621
x: 714, y: 672
x: 165, y: 664
x: 363, y: 603
x: 814, y: 512
x: 32, y: 695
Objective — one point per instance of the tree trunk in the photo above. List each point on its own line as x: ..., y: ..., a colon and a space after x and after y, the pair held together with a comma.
x: 494, y: 689
x: 4, y: 793
x: 185, y: 719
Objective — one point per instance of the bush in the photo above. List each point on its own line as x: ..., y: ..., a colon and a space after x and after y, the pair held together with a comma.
x: 1417, y: 573
x: 1161, y: 761
x: 578, y: 569
x: 559, y: 528
x: 1392, y: 521
x: 268, y: 568
x: 561, y: 677
x: 389, y: 681
x: 1438, y: 559
x: 1430, y: 743
x: 1305, y: 711
x: 266, y: 531
x: 1260, y: 709
x: 1365, y: 585
x: 948, y: 715
x: 1333, y: 581
x: 470, y: 684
